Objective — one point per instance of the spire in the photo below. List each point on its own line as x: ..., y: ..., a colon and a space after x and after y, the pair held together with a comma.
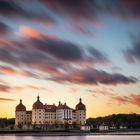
x: 59, y: 103
x: 37, y: 98
x: 20, y: 101
x: 80, y: 100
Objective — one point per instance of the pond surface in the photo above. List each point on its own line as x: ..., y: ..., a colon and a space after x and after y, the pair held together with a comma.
x: 100, y: 137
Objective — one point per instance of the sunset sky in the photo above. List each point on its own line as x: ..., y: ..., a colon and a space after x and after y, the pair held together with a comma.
x: 63, y: 50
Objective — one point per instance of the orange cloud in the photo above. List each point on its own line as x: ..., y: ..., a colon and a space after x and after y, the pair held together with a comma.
x: 29, y: 32
x: 6, y: 99
x: 34, y: 87
x: 103, y: 92
x: 7, y: 70
x: 135, y: 99
x: 28, y: 87
x: 131, y: 99
x: 32, y: 33
x: 120, y: 99
x: 4, y: 88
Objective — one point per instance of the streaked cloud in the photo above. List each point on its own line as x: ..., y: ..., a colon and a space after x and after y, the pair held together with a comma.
x: 28, y: 87
x: 132, y: 54
x: 115, y: 98
x: 28, y: 10
x: 4, y: 29
x: 94, y: 77
x: 4, y: 88
x: 6, y: 99
x: 7, y: 70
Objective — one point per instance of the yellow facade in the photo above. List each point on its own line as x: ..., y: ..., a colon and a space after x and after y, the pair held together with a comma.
x: 50, y: 114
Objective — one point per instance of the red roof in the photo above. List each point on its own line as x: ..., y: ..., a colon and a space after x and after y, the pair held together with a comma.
x: 63, y: 106
x: 80, y: 105
x: 38, y: 104
x: 50, y: 108
x: 20, y: 107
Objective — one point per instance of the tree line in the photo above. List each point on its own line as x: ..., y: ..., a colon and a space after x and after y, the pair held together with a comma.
x: 5, y: 122
x: 114, y: 120
x: 131, y: 121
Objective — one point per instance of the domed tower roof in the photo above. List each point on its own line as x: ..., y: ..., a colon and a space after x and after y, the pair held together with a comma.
x: 80, y: 105
x: 20, y: 107
x: 38, y: 104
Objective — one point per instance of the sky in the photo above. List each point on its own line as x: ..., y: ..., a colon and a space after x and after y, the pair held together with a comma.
x: 63, y: 50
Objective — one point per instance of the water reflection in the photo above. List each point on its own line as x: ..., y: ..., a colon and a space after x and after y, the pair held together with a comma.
x: 101, y: 137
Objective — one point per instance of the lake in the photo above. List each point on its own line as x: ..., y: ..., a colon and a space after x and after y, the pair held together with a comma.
x: 99, y: 137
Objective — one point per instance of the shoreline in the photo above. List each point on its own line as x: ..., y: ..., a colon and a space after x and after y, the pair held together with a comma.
x: 23, y: 133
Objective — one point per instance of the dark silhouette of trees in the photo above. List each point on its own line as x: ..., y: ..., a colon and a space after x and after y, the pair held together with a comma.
x: 4, y: 122
x: 117, y: 120
x: 131, y: 121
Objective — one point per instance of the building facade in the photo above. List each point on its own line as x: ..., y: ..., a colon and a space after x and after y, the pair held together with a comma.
x: 44, y: 114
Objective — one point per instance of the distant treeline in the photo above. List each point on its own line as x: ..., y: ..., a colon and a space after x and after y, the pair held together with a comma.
x: 116, y: 120
x: 4, y: 122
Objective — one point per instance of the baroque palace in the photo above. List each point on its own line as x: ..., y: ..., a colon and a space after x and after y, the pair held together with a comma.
x: 45, y: 114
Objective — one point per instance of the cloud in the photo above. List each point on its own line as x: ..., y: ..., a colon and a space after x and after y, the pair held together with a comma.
x: 7, y: 70
x: 132, y: 7
x: 60, y: 49
x: 6, y: 99
x: 47, y: 58
x: 63, y: 50
x: 133, y: 99
x: 29, y: 73
x: 4, y: 88
x: 94, y: 77
x: 101, y: 91
x: 46, y: 53
x: 133, y: 54
x: 79, y: 14
x: 73, y: 8
x: 70, y: 9
x: 97, y: 55
x: 7, y: 56
x: 28, y: 87
x: 57, y: 60
x: 4, y: 29
x: 92, y: 9
x: 120, y: 99
x: 29, y: 10
x: 29, y: 32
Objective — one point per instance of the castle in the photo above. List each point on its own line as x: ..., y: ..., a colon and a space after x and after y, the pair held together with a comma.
x: 45, y: 114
